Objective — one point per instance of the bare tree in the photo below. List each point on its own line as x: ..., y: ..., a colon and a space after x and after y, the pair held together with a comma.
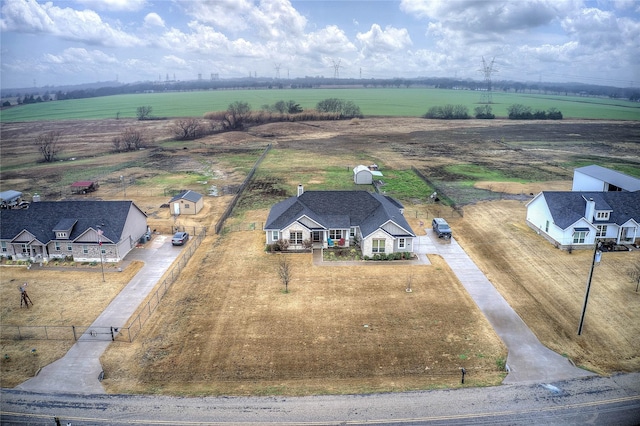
x: 144, y: 112
x: 187, y: 129
x: 129, y: 140
x: 284, y: 272
x: 49, y: 145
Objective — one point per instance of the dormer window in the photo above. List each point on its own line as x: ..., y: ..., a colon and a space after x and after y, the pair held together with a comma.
x: 602, y: 215
x: 61, y: 235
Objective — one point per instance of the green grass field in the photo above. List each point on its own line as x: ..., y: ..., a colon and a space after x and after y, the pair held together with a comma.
x: 372, y: 102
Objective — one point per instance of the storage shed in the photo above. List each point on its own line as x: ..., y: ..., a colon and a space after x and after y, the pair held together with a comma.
x: 363, y: 175
x: 186, y: 202
x: 84, y: 186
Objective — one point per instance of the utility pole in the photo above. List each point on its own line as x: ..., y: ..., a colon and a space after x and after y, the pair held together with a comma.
x: 597, y: 254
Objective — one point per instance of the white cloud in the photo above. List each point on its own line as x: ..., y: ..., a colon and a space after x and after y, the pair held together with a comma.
x: 80, y: 56
x: 388, y: 40
x: 85, y: 26
x: 269, y: 19
x: 153, y: 20
x: 499, y: 16
x: 114, y: 5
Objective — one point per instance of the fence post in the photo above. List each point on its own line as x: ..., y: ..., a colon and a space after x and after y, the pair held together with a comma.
x: 75, y: 338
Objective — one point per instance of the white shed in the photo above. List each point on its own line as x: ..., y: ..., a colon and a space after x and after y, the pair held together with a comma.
x: 362, y: 175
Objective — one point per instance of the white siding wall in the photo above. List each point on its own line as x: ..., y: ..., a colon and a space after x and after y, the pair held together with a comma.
x: 582, y: 182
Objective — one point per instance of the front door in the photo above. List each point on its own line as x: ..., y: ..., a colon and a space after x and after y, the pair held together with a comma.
x: 316, y: 236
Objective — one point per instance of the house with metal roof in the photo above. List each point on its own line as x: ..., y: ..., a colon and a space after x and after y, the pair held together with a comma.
x: 598, y: 178
x: 87, y: 231
x: 186, y: 202
x: 373, y: 221
x: 577, y: 218
x: 10, y: 198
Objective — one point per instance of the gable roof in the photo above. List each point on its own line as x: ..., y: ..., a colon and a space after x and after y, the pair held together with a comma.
x: 82, y: 184
x: 339, y: 210
x: 626, y: 182
x: 42, y: 218
x: 567, y: 207
x: 188, y: 195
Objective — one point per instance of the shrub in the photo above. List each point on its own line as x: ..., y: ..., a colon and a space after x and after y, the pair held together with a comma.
x: 376, y: 256
x: 448, y: 112
x: 366, y: 257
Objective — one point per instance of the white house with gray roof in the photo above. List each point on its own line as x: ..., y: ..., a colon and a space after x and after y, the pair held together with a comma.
x: 87, y: 231
x: 373, y: 221
x: 574, y: 219
x: 603, y: 206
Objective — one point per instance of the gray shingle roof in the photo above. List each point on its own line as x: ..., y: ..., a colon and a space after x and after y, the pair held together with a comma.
x: 567, y: 207
x: 626, y: 182
x: 41, y: 218
x: 188, y: 195
x: 339, y: 210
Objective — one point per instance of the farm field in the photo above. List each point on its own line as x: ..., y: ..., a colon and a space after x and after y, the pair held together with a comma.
x: 397, y: 102
x: 226, y: 327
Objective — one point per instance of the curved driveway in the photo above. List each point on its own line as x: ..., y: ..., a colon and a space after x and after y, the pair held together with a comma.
x: 528, y: 359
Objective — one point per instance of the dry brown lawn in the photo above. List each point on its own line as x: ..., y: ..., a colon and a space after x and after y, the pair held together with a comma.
x: 546, y: 287
x: 65, y: 297
x: 227, y: 327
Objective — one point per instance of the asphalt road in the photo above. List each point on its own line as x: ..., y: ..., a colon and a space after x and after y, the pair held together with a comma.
x: 592, y: 400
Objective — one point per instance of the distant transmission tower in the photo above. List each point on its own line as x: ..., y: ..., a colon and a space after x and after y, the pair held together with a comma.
x: 336, y: 68
x: 487, y: 70
x: 277, y: 67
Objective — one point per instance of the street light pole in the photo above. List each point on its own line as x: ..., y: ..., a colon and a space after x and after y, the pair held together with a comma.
x: 597, y: 254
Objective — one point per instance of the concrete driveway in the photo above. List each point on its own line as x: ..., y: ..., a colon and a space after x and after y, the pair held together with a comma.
x: 528, y: 359
x: 78, y: 370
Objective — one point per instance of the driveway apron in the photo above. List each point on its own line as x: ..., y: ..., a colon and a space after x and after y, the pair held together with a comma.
x: 79, y: 370
x: 528, y: 359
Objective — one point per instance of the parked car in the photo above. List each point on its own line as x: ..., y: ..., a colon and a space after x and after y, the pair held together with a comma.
x: 180, y: 238
x: 441, y: 228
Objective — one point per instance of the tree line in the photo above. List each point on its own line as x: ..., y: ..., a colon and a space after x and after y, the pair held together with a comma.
x: 516, y: 112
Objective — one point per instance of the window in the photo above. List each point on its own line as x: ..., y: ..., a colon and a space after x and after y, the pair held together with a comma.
x: 25, y: 248
x: 546, y: 227
x: 295, y: 237
x: 377, y: 246
x: 335, y: 234
x: 275, y: 235
x: 102, y: 250
x: 85, y: 249
x: 61, y: 235
x: 186, y: 205
x: 4, y: 246
x: 57, y: 246
x: 601, y: 231
x: 602, y: 215
x: 578, y: 237
x: 352, y: 232
x: 69, y: 247
x: 402, y: 243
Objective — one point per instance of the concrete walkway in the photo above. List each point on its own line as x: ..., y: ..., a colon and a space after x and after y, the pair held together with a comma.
x: 79, y: 369
x: 528, y: 359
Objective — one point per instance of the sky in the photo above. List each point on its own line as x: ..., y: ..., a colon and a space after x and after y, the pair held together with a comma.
x: 52, y: 43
